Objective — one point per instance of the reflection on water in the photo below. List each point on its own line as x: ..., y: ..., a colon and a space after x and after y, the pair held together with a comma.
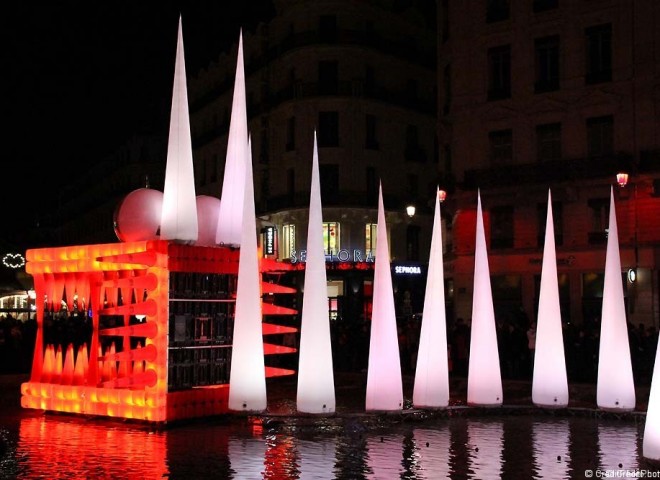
x: 551, y: 448
x: 522, y: 446
x: 618, y: 449
x: 485, y: 443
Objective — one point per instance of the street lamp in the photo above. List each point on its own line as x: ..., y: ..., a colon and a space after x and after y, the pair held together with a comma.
x: 410, y: 210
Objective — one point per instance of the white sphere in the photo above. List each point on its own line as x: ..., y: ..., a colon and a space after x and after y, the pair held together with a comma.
x: 138, y: 216
x: 208, y: 211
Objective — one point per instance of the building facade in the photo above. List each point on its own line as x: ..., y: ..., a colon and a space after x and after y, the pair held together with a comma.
x: 552, y: 96
x: 361, y: 77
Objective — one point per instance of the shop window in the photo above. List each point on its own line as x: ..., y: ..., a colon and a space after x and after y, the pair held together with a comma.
x: 370, y: 239
x: 331, y: 243
x: 288, y: 240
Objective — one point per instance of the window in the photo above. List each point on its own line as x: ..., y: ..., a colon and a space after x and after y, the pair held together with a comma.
x: 370, y: 238
x: 328, y: 78
x: 501, y: 227
x: 600, y: 219
x: 600, y: 131
x: 290, y: 134
x: 544, y: 5
x: 499, y: 72
x: 371, y: 141
x: 557, y: 222
x: 330, y: 183
x: 548, y: 142
x: 288, y: 240
x: 599, y: 54
x: 497, y: 10
x: 547, y: 64
x: 328, y: 129
x: 331, y: 243
x: 501, y: 147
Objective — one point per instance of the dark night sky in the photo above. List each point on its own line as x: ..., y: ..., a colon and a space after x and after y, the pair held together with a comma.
x: 84, y: 76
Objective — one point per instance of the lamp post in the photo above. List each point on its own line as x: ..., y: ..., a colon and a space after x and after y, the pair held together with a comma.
x: 631, y: 276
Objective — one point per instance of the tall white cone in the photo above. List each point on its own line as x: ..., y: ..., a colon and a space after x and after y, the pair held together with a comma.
x: 431, y: 387
x: 384, y: 382
x: 247, y: 378
x: 179, y: 211
x: 316, y: 387
x: 651, y: 442
x: 615, y: 389
x: 549, y: 381
x: 484, y: 377
x: 231, y: 201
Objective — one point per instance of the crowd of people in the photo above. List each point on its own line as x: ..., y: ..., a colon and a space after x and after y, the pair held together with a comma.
x: 516, y: 339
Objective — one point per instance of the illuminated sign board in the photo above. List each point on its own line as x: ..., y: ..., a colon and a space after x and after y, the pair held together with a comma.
x: 269, y: 241
x: 343, y: 255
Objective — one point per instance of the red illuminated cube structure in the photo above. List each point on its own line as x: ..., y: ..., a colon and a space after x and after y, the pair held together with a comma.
x: 139, y: 330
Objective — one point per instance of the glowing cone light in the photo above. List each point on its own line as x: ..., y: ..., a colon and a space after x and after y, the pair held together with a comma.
x: 231, y: 202
x: 615, y: 389
x: 179, y: 210
x: 484, y: 378
x: 316, y: 389
x: 384, y: 383
x: 431, y: 387
x: 651, y: 442
x: 247, y: 379
x: 549, y: 382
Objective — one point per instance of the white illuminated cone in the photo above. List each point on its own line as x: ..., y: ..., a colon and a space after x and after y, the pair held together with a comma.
x: 615, y: 389
x: 651, y: 442
x: 384, y: 382
x: 484, y: 378
x: 549, y: 381
x: 231, y: 201
x: 316, y: 385
x: 247, y: 378
x: 431, y: 387
x: 179, y: 210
